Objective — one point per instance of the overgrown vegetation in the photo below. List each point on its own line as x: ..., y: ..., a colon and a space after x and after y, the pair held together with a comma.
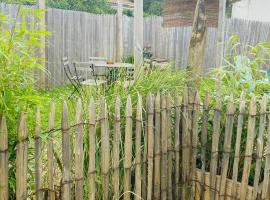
x: 18, y: 60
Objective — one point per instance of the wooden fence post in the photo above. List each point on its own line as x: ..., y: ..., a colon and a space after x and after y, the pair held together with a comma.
x: 185, y: 147
x: 144, y: 167
x: 226, y: 147
x: 260, y: 145
x: 170, y: 148
x: 150, y: 132
x: 128, y: 149
x: 214, y: 150
x: 138, y: 164
x: 21, y: 160
x: 249, y: 148
x: 50, y: 154
x: 65, y: 153
x: 164, y: 148
x: 238, y: 143
x: 92, y: 150
x: 116, y: 143
x: 105, y: 149
x: 157, y: 148
x: 3, y: 159
x: 267, y: 165
x: 204, y: 142
x: 38, y: 163
x: 177, y: 144
x: 194, y: 136
x: 79, y: 177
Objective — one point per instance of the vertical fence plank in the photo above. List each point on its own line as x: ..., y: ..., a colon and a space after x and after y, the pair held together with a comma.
x: 128, y: 149
x: 144, y: 168
x: 50, y: 154
x: 214, y: 150
x: 150, y: 132
x: 260, y: 145
x: 105, y: 149
x: 177, y: 145
x: 267, y: 164
x: 226, y: 147
x: 65, y: 153
x: 79, y: 152
x: 3, y: 159
x: 157, y: 148
x: 185, y: 146
x: 204, y: 142
x: 92, y: 150
x: 164, y: 148
x: 116, y: 143
x: 170, y: 148
x: 38, y: 163
x: 249, y: 148
x: 237, y: 144
x: 195, y: 118
x: 138, y: 164
x: 21, y: 160
x: 259, y: 149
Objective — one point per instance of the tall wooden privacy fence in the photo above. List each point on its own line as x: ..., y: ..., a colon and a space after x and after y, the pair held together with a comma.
x: 167, y: 148
x: 79, y: 35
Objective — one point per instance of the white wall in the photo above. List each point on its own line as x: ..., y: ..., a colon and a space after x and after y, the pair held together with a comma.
x: 258, y: 10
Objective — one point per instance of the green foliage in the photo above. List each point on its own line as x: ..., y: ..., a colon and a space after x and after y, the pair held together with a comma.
x: 93, y: 6
x: 128, y: 59
x: 245, y: 71
x: 19, y: 42
x: 153, y: 7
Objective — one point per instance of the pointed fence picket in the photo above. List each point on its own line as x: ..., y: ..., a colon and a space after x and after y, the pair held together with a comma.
x: 149, y: 151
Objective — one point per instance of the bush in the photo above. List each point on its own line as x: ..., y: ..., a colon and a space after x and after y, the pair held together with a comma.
x: 18, y: 61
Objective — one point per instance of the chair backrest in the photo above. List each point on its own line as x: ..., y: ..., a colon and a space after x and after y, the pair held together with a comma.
x: 65, y: 61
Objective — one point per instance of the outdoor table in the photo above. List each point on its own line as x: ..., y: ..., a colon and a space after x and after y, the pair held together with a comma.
x: 109, y: 68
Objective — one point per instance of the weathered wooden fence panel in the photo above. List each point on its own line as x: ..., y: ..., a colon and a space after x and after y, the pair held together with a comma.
x: 176, y: 141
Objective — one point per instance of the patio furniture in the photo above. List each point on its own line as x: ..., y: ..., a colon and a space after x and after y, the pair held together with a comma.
x: 72, y: 76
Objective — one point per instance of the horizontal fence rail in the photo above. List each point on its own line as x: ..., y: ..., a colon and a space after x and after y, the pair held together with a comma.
x: 80, y: 35
x: 161, y: 147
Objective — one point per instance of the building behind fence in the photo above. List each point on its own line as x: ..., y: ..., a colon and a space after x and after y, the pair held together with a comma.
x: 80, y: 35
x: 166, y: 148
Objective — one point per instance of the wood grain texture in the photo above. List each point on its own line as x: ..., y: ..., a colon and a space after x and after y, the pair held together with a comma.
x: 105, y: 148
x: 66, y: 154
x: 150, y: 155
x: 116, y: 152
x: 157, y: 147
x: 214, y: 149
x: 249, y: 148
x: 226, y: 147
x: 38, y: 161
x: 92, y: 150
x: 138, y: 156
x: 50, y: 153
x: 3, y: 159
x: 79, y: 159
x: 22, y: 160
x: 240, y: 122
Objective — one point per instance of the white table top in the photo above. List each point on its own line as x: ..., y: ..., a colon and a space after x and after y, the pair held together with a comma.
x: 104, y: 64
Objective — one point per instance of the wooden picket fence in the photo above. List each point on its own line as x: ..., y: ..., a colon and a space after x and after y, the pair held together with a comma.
x: 171, y: 148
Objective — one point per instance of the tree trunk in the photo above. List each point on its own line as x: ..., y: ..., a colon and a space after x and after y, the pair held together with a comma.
x: 196, y: 48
